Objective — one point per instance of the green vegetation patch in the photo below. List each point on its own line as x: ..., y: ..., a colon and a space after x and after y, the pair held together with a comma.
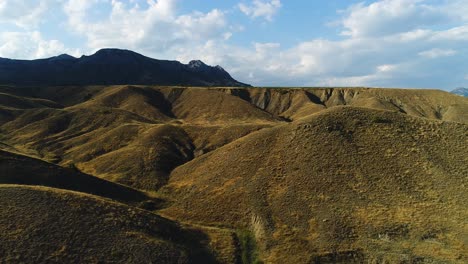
x: 248, y: 247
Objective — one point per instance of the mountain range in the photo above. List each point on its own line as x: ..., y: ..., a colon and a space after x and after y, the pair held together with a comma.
x: 112, y: 66
x: 461, y: 91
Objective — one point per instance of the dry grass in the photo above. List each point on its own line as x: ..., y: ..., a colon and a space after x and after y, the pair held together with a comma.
x: 321, y: 175
x: 44, y: 225
x: 18, y: 169
x: 346, y: 181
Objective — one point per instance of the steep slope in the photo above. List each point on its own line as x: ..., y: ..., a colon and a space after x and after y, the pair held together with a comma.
x: 45, y: 225
x: 112, y: 66
x: 346, y: 184
x: 18, y: 169
x: 211, y: 105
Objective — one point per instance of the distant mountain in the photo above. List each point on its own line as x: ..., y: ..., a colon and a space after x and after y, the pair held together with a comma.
x: 112, y: 66
x: 461, y: 91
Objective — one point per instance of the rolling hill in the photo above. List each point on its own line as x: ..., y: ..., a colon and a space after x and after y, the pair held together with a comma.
x: 44, y: 225
x: 19, y: 169
x: 374, y: 185
x: 279, y: 175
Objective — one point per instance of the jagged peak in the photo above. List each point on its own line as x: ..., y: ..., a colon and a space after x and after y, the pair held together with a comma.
x: 196, y: 64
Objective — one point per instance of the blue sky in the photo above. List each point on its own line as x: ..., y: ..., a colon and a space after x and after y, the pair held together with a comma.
x: 386, y: 43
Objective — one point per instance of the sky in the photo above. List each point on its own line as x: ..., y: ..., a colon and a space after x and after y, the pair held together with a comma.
x: 386, y: 43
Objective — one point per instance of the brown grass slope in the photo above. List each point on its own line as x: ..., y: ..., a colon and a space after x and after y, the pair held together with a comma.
x: 346, y: 184
x: 109, y: 142
x: 10, y: 105
x: 189, y: 104
x: 197, y: 105
x: 146, y: 161
x: 316, y: 174
x: 45, y: 225
x: 143, y: 101
x: 133, y: 135
x: 18, y: 169
x: 17, y: 102
x: 300, y: 102
x: 63, y: 95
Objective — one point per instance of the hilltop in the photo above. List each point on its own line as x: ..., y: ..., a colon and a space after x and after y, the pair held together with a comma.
x: 112, y: 66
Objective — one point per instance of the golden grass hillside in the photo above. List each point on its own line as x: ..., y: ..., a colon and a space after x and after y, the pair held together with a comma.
x: 128, y: 134
x: 19, y: 169
x: 45, y: 225
x: 279, y: 175
x: 345, y: 183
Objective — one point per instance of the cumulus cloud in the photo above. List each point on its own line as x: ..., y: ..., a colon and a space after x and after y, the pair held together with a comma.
x: 155, y: 29
x: 378, y: 50
x: 30, y: 45
x: 261, y: 8
x: 386, y: 43
x: 391, y: 16
x: 23, y: 13
x: 384, y: 61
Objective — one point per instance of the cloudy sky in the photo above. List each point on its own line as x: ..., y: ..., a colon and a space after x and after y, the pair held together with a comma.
x: 386, y: 43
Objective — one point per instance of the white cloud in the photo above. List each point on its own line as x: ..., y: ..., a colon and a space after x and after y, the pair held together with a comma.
x: 384, y: 61
x: 30, y: 45
x: 454, y: 34
x: 371, y: 56
x: 261, y: 8
x: 23, y: 13
x: 156, y: 29
x: 386, y: 68
x: 390, y: 16
x: 437, y: 53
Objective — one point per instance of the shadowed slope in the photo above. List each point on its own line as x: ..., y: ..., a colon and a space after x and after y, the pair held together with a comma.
x: 45, y: 225
x: 18, y: 169
x: 143, y: 101
x: 347, y: 184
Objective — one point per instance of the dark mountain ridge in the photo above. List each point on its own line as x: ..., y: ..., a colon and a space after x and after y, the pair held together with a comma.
x: 109, y: 67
